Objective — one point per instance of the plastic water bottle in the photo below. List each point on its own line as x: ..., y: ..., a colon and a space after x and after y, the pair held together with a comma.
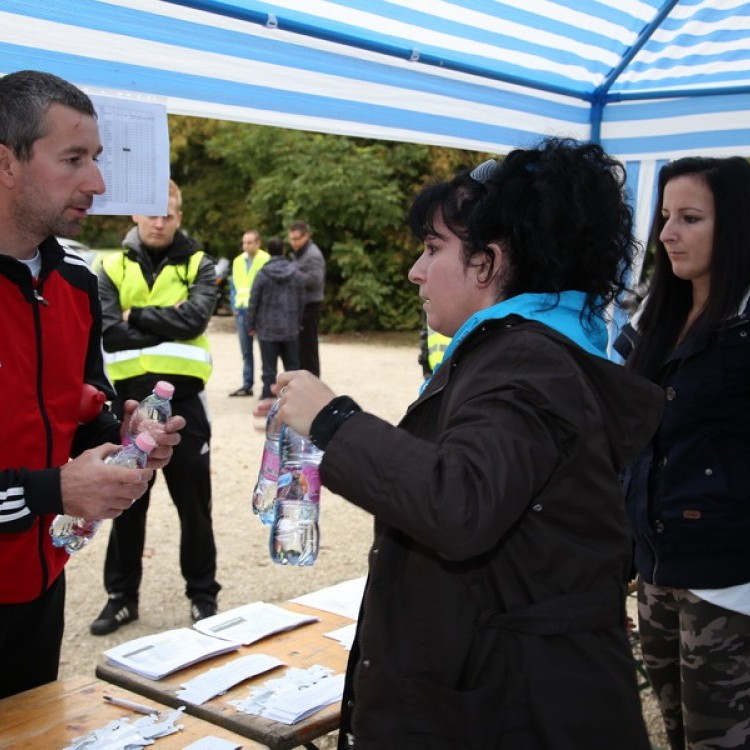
x: 264, y: 493
x: 153, y: 412
x: 295, y: 534
x: 74, y: 533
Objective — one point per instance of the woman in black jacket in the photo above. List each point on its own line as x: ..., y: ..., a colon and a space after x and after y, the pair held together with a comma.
x: 493, y: 615
x: 689, y: 495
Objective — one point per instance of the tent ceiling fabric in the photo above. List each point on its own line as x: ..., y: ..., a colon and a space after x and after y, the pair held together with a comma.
x: 650, y: 79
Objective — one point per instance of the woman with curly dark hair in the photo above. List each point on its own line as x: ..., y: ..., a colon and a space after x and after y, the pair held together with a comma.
x: 493, y: 615
x: 689, y: 495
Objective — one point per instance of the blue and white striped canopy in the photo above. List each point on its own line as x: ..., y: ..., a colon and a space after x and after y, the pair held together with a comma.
x: 649, y: 79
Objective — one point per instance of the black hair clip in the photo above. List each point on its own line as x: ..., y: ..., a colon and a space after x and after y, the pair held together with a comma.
x: 484, y: 171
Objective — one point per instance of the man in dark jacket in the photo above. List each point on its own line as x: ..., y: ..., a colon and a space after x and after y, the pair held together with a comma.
x: 275, y: 313
x: 157, y: 296
x: 50, y: 351
x: 312, y: 265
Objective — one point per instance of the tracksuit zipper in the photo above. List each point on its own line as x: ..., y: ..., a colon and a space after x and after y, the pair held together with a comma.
x: 39, y: 299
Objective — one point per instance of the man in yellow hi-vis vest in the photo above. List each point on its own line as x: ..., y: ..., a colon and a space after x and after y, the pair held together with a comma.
x: 432, y: 348
x: 157, y: 298
x: 245, y: 268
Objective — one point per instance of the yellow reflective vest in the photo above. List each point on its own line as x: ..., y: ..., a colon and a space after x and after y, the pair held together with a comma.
x: 243, y: 277
x: 436, y: 346
x: 190, y: 357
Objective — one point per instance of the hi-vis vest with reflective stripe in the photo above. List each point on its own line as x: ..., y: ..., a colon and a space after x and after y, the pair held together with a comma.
x: 436, y: 346
x: 243, y: 277
x: 191, y: 357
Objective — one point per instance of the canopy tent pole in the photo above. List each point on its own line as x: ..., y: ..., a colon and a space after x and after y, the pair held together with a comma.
x: 601, y: 93
x: 411, y: 54
x: 642, y: 183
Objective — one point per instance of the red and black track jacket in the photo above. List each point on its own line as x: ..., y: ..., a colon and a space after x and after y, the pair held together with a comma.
x: 50, y: 345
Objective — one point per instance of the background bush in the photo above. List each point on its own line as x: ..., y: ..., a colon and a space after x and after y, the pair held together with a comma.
x: 353, y: 192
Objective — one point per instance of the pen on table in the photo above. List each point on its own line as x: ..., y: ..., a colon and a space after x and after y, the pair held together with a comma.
x: 139, y: 707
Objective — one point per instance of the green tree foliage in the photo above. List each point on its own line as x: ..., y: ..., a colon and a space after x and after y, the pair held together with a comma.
x: 105, y: 231
x: 353, y: 192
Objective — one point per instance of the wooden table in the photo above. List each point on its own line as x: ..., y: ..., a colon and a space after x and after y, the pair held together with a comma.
x: 301, y: 647
x: 50, y: 717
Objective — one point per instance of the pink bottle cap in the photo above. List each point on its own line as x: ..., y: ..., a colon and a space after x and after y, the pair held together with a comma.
x: 164, y: 389
x: 145, y: 442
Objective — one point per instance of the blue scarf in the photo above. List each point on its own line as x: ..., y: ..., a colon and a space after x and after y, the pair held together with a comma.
x: 565, y: 316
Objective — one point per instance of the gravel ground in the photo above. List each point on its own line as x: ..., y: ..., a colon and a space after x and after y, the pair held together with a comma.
x: 384, y: 378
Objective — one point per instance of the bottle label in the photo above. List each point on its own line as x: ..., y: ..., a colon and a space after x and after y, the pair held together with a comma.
x: 301, y: 483
x: 270, y: 465
x: 72, y: 533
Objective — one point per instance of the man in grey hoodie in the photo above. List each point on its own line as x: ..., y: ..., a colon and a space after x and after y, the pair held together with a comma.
x: 309, y: 259
x: 274, y: 315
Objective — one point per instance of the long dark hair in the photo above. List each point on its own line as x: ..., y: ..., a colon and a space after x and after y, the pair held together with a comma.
x: 670, y: 298
x: 558, y: 210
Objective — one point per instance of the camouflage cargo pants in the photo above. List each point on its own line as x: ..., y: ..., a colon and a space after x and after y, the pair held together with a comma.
x: 697, y: 656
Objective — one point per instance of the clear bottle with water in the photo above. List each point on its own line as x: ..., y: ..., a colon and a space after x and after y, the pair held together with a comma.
x: 295, y: 534
x: 153, y: 412
x: 74, y: 533
x: 264, y: 493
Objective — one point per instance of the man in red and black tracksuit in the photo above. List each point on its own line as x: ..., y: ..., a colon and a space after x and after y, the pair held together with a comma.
x: 50, y: 349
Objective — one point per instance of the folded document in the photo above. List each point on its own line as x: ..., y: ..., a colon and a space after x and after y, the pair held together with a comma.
x: 252, y: 622
x: 220, y: 679
x: 158, y: 655
x: 293, y: 696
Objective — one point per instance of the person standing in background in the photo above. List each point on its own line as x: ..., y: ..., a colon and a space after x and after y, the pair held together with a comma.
x: 157, y: 297
x: 689, y: 493
x: 312, y: 265
x: 432, y: 349
x: 244, y: 269
x: 52, y: 458
x: 274, y: 315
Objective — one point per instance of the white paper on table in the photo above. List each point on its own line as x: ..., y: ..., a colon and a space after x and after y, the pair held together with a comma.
x: 252, y: 622
x: 158, y: 655
x: 124, y: 733
x: 293, y: 707
x: 212, y: 743
x: 219, y: 679
x: 342, y: 599
x: 298, y: 693
x: 345, y: 635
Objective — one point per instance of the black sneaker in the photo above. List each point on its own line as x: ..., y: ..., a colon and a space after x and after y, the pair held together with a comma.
x: 118, y: 611
x: 242, y: 392
x: 202, y: 608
